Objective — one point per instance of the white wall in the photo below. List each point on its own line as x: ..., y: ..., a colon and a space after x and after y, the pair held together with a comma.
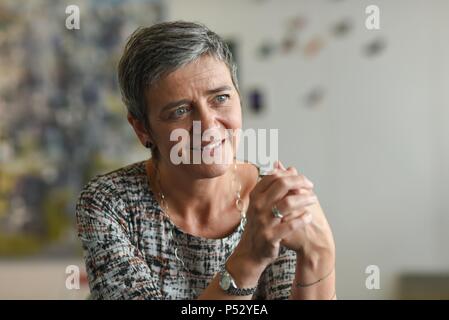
x: 377, y: 149
x: 440, y: 118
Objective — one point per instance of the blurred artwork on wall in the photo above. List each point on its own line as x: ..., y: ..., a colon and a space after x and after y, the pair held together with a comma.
x: 375, y: 47
x: 300, y: 37
x: 62, y: 120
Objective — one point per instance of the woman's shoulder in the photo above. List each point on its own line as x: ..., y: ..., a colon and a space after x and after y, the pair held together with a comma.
x: 121, y: 185
x: 118, y: 180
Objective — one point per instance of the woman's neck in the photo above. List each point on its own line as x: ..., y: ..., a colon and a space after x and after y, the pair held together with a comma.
x: 187, y: 196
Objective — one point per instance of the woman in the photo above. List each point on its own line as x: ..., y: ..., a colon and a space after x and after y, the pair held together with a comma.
x: 158, y: 229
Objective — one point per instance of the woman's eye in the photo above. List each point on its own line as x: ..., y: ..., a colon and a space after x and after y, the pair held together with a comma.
x: 179, y: 112
x: 222, y: 98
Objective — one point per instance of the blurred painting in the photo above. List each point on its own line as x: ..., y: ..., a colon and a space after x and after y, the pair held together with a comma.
x: 62, y: 120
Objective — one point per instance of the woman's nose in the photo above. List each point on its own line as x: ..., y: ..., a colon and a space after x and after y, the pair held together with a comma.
x: 207, y: 118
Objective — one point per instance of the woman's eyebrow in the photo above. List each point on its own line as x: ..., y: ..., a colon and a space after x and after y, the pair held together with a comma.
x: 175, y: 104
x: 219, y: 89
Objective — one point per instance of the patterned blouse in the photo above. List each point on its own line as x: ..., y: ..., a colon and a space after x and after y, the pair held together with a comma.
x: 129, y: 253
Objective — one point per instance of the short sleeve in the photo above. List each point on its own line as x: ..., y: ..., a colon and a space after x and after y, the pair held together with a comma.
x: 115, y: 267
x: 276, y: 280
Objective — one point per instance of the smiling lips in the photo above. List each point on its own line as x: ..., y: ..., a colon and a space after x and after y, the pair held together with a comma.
x: 210, y: 146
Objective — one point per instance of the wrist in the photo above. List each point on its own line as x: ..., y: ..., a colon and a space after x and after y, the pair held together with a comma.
x: 313, y: 251
x: 314, y: 265
x: 315, y: 259
x: 246, y: 273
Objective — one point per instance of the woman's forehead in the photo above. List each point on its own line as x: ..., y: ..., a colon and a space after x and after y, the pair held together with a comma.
x: 202, y: 72
x: 202, y: 75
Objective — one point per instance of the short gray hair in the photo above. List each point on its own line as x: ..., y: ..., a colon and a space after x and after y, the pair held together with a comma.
x: 155, y: 51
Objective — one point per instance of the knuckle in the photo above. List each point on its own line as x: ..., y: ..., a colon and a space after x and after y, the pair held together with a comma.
x: 302, y: 178
x: 290, y: 202
x: 306, y: 215
x: 265, y: 235
x: 293, y: 169
x: 304, y: 181
x: 276, y: 175
x: 281, y: 206
x: 291, y: 225
x: 283, y: 182
x: 257, y: 205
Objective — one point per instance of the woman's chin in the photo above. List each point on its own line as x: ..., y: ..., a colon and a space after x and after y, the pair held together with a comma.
x: 210, y: 169
x: 204, y: 170
x: 213, y: 163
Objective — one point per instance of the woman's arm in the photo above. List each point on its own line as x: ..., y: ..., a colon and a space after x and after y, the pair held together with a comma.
x: 315, y: 265
x: 116, y: 269
x: 259, y: 248
x: 314, y: 278
x: 315, y: 250
x: 244, y: 273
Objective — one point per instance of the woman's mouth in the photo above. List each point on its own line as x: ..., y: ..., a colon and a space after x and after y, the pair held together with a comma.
x: 210, y: 146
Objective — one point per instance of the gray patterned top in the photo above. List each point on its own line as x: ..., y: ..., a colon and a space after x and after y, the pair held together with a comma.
x: 129, y: 254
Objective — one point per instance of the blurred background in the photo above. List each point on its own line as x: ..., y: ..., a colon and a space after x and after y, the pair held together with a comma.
x: 364, y: 113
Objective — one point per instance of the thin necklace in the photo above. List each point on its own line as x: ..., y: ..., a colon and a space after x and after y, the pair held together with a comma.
x: 165, y: 211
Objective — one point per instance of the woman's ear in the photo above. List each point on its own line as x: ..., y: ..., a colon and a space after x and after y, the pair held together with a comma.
x: 140, y: 130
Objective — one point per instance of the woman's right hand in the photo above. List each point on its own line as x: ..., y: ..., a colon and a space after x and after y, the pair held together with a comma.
x: 260, y: 241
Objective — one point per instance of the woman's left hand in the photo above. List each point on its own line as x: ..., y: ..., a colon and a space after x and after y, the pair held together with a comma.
x: 316, y: 235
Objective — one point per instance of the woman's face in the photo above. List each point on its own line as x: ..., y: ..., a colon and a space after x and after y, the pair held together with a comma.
x: 201, y: 91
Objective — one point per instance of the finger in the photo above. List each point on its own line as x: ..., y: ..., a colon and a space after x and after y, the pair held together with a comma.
x: 281, y: 166
x: 282, y: 230
x: 294, y: 203
x: 267, y: 180
x: 303, y: 191
x: 294, y: 172
x: 277, y: 164
x: 293, y: 169
x: 306, y: 215
x: 276, y: 167
x: 279, y: 188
